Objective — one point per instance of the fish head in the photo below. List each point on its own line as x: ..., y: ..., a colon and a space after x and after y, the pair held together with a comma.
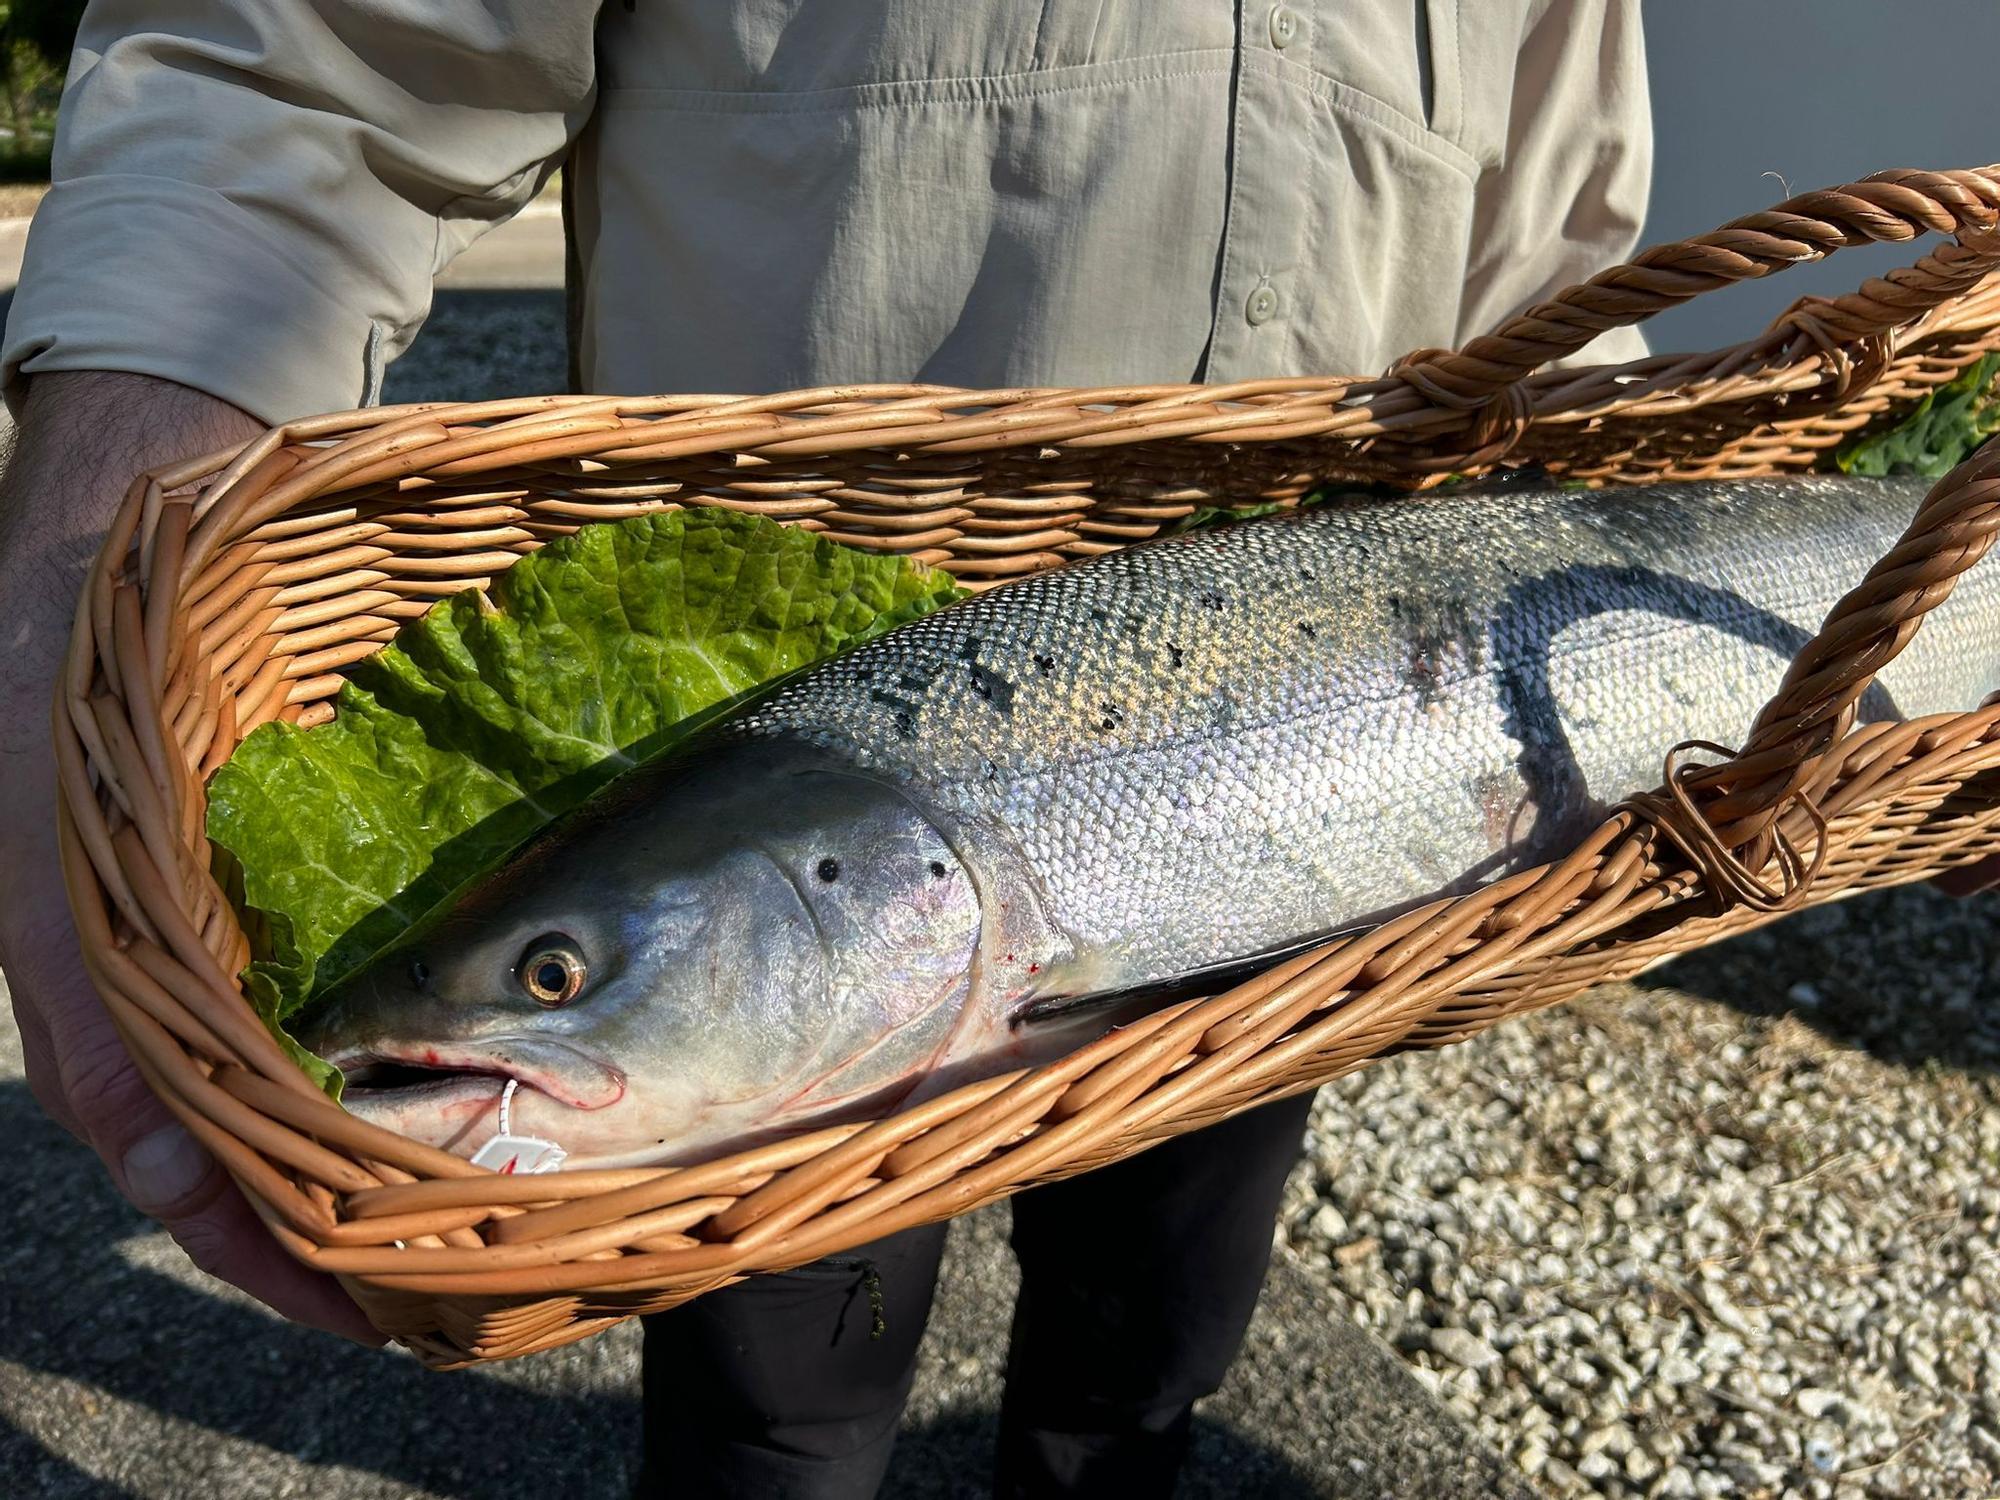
x: 712, y: 953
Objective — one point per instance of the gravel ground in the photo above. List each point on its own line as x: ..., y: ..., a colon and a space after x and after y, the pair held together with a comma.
x: 1652, y: 1244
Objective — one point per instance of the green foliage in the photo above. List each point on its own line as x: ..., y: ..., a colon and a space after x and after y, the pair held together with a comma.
x: 1938, y: 435
x: 48, y: 26
x: 1217, y: 515
x: 484, y: 721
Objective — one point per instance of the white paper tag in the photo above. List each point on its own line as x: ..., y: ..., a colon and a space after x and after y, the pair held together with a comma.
x: 519, y: 1153
x: 508, y: 1153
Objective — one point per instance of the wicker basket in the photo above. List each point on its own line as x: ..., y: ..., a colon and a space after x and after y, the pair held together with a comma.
x: 233, y: 588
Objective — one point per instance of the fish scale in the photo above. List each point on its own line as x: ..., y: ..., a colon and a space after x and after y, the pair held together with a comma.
x: 980, y: 839
x: 1221, y: 742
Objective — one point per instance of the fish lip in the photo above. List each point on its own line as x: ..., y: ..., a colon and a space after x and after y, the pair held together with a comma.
x: 567, y: 1074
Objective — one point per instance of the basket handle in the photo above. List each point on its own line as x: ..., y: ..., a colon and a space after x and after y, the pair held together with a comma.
x: 1889, y: 206
x: 1726, y: 815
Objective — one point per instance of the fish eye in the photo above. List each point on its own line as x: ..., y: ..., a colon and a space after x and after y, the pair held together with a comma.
x: 552, y: 970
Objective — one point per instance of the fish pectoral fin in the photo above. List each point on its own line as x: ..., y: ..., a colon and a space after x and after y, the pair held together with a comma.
x: 1151, y: 994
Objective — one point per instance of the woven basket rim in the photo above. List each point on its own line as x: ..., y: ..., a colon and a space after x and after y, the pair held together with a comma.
x: 232, y: 589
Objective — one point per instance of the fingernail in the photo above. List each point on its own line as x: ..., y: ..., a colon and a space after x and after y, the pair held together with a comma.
x: 163, y: 1168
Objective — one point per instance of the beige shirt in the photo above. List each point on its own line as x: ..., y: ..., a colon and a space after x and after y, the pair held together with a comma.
x: 253, y: 199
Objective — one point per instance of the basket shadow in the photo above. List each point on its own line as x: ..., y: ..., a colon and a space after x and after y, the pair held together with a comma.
x: 1907, y: 975
x: 218, y: 1367
x: 30, y: 1467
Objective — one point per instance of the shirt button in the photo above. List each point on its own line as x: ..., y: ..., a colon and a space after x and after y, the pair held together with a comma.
x: 1284, y: 26
x: 1262, y: 306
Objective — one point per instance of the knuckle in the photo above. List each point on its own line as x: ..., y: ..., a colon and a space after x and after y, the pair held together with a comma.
x: 39, y: 1065
x: 39, y: 955
x: 100, y: 1082
x: 48, y: 1096
x: 35, y: 926
x: 205, y: 1244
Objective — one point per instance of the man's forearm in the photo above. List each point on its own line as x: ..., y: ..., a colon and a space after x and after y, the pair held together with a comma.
x: 83, y: 436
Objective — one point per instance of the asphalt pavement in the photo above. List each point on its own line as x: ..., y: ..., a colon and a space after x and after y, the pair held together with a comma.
x: 125, y: 1372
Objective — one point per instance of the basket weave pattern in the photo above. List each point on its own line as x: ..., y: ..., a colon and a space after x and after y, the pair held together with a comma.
x: 232, y: 589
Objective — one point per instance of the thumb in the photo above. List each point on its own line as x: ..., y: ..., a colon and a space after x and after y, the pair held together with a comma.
x: 162, y: 1169
x: 157, y: 1164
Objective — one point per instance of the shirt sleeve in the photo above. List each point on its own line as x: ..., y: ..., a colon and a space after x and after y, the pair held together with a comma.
x: 1568, y: 198
x: 252, y: 199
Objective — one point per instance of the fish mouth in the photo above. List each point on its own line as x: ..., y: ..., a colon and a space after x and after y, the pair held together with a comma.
x: 434, y: 1073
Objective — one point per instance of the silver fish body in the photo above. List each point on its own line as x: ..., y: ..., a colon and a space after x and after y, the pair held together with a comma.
x: 1113, y: 776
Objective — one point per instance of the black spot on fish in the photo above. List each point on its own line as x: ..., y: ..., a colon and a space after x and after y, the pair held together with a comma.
x: 1422, y: 675
x: 864, y: 674
x: 994, y: 688
x: 1306, y: 629
x: 829, y: 869
x: 1113, y: 717
x: 906, y: 711
x: 992, y: 771
x: 937, y: 869
x: 1175, y: 656
x: 1210, y: 600
x: 1102, y: 617
x: 1436, y: 630
x: 911, y: 682
x: 986, y: 682
x: 1045, y: 664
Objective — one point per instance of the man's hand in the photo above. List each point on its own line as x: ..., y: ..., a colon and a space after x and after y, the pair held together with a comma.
x: 83, y: 436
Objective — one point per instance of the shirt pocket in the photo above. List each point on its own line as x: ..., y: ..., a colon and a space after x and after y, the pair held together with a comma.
x: 1349, y: 228
x: 1054, y: 227
x: 801, y: 47
x: 1469, y: 50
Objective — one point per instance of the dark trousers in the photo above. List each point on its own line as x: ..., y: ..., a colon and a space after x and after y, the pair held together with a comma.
x: 1137, y: 1283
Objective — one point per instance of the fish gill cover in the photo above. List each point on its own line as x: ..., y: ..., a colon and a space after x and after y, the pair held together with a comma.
x: 484, y: 720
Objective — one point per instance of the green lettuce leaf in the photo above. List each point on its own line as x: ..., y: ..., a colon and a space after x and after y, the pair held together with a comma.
x: 485, y: 720
x: 1938, y: 435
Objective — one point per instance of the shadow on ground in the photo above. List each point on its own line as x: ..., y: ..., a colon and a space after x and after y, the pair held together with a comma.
x: 138, y: 1378
x: 139, y: 1336
x: 1824, y: 967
